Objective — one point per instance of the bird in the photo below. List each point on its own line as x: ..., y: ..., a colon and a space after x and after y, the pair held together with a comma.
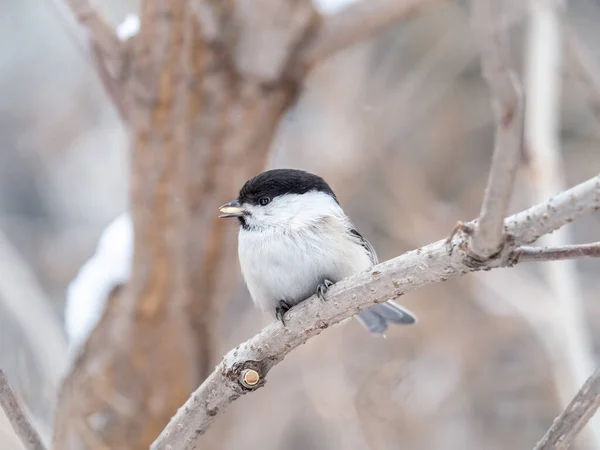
x: 295, y: 241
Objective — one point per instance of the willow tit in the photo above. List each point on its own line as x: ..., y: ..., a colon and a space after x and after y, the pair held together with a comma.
x: 295, y: 241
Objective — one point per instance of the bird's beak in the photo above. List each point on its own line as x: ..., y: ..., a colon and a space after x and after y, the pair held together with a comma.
x: 233, y: 209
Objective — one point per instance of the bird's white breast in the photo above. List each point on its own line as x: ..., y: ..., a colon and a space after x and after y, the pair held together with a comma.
x: 288, y: 264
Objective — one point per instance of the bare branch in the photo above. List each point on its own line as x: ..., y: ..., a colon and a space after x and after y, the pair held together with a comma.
x: 113, y: 87
x: 572, y: 355
x: 91, y: 33
x: 101, y: 32
x: 389, y: 280
x: 180, y: 145
x: 358, y: 22
x: 26, y: 303
x: 538, y: 254
x: 571, y: 421
x: 17, y: 417
x: 507, y: 104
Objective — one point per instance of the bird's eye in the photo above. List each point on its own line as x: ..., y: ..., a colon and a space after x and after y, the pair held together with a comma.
x: 264, y: 201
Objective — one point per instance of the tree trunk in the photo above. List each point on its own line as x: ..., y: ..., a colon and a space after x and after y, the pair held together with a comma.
x: 209, y: 83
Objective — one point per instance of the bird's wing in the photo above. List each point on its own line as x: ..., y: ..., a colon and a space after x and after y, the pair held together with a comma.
x: 366, y: 245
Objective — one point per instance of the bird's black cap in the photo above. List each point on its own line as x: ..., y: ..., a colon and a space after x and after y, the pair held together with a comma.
x: 276, y: 182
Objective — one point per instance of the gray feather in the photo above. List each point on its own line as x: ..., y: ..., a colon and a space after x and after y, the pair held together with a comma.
x: 372, y: 321
x: 377, y: 317
x: 366, y: 245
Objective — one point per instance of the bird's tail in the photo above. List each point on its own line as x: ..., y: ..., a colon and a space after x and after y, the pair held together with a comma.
x: 377, y: 317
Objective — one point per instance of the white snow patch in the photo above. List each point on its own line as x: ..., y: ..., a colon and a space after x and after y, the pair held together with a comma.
x: 332, y: 6
x: 129, y: 27
x: 88, y: 293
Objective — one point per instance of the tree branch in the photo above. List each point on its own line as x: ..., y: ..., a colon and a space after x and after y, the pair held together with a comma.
x: 358, y: 22
x: 101, y: 32
x: 107, y: 52
x: 572, y: 354
x: 17, y: 417
x: 389, y: 280
x: 507, y: 104
x: 205, y: 113
x: 26, y: 304
x: 113, y: 87
x: 538, y: 254
x: 571, y: 421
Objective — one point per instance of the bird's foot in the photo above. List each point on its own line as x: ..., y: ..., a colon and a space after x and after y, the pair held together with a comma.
x: 281, y: 310
x: 322, y: 288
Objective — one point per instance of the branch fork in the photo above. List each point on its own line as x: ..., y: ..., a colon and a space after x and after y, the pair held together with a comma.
x: 110, y: 56
x: 393, y: 278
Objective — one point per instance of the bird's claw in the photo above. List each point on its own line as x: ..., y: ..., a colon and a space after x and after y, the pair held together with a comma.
x: 281, y: 310
x: 322, y: 288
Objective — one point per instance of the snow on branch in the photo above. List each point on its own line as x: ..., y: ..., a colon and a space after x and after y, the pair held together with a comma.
x: 244, y: 368
x: 129, y: 27
x: 88, y: 293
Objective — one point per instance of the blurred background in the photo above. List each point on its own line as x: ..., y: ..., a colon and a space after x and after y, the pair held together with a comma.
x: 401, y: 127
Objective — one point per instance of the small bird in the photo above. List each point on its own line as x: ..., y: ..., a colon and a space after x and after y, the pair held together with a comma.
x: 295, y: 240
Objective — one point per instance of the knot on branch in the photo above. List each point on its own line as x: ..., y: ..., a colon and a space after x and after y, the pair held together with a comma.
x: 478, y: 262
x: 504, y: 256
x: 513, y: 258
x: 250, y: 378
x: 248, y: 375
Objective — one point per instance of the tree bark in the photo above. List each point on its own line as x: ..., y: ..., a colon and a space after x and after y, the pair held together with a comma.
x: 209, y: 83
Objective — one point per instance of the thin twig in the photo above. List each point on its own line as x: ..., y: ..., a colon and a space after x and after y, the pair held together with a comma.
x: 538, y: 254
x: 391, y: 279
x: 358, y: 22
x: 507, y: 104
x: 16, y: 416
x: 571, y: 421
